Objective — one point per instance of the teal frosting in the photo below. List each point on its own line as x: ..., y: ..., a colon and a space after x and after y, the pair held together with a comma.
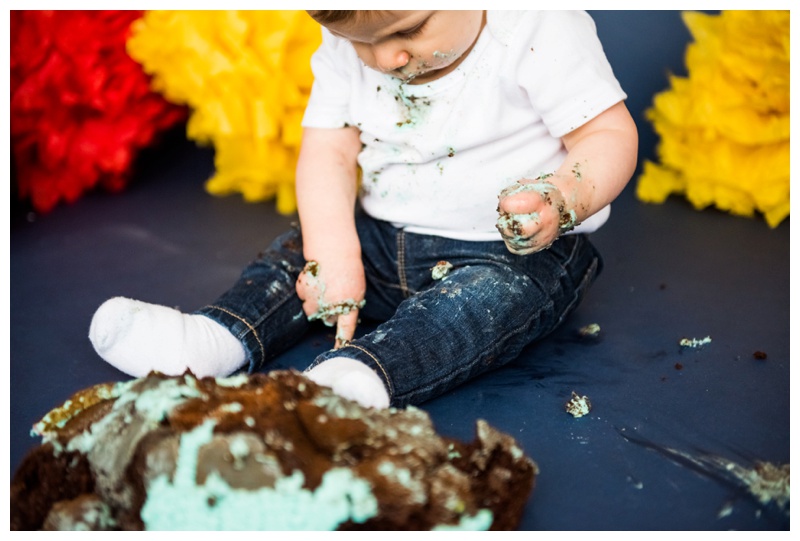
x: 413, y: 109
x: 182, y: 504
x: 542, y: 188
x: 480, y: 521
x: 154, y: 404
x: 233, y: 381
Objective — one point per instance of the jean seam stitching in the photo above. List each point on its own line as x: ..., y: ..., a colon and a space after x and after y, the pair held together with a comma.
x: 252, y: 329
x: 377, y: 362
x: 572, y: 253
x: 581, y: 287
x: 401, y: 262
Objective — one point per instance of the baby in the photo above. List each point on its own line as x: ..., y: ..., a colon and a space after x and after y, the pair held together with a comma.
x: 452, y: 164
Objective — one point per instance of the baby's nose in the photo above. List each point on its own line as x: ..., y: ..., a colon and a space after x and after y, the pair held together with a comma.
x: 389, y: 60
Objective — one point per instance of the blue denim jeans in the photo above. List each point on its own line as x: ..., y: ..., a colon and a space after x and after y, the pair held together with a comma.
x: 434, y: 334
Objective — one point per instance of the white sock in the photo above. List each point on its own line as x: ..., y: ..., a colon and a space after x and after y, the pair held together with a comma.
x: 351, y: 379
x: 137, y: 337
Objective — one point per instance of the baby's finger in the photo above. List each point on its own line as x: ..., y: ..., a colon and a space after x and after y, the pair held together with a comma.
x: 519, y: 248
x: 519, y: 203
x: 522, y: 239
x: 310, y: 307
x: 309, y: 301
x: 345, y: 328
x: 518, y: 226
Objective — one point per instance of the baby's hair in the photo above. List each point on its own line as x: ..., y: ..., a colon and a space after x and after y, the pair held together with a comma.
x: 332, y: 15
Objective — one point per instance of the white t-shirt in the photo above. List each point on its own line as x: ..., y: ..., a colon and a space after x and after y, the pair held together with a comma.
x: 436, y: 155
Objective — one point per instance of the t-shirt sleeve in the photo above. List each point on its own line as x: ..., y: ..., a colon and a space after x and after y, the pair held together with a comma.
x: 562, y: 67
x: 328, y: 104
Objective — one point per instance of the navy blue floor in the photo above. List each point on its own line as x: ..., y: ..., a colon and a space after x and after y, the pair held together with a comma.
x: 659, y: 409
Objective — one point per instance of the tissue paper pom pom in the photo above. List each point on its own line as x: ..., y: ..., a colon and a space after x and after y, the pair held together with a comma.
x: 246, y: 76
x: 725, y: 128
x: 80, y: 107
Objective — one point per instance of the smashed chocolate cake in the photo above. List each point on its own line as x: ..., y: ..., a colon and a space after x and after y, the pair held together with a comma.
x: 260, y: 452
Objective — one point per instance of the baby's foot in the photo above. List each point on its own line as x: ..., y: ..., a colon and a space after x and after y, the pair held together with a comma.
x: 137, y: 337
x: 351, y: 379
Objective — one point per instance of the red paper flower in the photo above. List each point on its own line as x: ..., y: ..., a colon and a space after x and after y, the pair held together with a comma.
x: 81, y: 108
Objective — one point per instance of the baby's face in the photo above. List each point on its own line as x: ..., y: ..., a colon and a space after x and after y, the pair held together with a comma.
x: 418, y: 46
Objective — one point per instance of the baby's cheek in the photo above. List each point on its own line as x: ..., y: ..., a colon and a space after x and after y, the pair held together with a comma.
x: 365, y: 55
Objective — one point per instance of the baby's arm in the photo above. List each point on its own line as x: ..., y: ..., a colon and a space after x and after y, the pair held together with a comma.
x: 601, y: 160
x: 333, y: 289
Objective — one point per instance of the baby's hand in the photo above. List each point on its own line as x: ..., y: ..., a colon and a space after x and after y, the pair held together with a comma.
x: 533, y: 213
x: 333, y: 292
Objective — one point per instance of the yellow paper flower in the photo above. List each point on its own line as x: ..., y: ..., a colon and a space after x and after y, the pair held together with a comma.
x: 724, y: 129
x: 246, y: 76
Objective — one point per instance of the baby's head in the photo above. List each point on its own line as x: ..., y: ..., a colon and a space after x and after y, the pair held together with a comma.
x: 418, y: 45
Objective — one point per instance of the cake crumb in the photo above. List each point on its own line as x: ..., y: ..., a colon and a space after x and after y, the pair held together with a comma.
x: 766, y: 481
x: 590, y: 330
x: 759, y: 355
x: 694, y: 342
x: 441, y: 269
x: 578, y: 406
x: 725, y: 510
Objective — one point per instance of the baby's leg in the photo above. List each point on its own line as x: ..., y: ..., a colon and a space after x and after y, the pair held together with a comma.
x: 252, y: 322
x: 479, y: 317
